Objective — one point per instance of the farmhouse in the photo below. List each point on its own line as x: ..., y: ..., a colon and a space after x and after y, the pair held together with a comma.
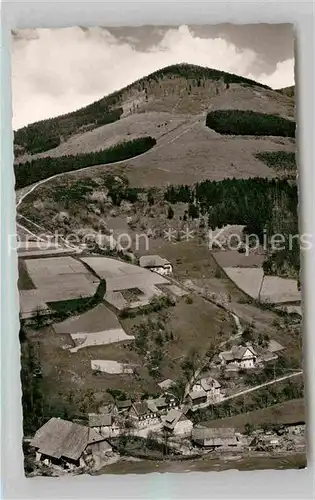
x: 123, y: 406
x: 64, y: 443
x: 142, y: 415
x: 210, y: 386
x: 243, y: 356
x: 163, y: 404
x: 156, y: 263
x: 177, y: 423
x: 214, y: 438
x: 198, y: 398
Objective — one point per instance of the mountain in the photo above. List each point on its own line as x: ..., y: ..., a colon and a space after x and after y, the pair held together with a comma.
x: 184, y: 88
x: 180, y: 134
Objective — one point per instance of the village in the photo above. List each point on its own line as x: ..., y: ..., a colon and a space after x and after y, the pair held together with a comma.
x: 162, y: 427
x: 153, y: 429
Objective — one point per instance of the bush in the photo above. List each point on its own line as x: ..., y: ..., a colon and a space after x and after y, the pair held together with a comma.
x: 189, y: 299
x: 239, y: 122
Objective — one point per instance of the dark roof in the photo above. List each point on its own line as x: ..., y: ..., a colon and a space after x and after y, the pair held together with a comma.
x: 208, y: 433
x: 141, y: 408
x: 153, y: 261
x: 61, y: 438
x: 197, y: 394
x: 172, y: 418
x: 123, y: 404
x: 209, y: 383
x: 160, y: 402
x: 239, y: 351
x: 100, y: 419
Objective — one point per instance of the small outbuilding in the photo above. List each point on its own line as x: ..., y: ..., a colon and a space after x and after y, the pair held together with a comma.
x: 156, y: 264
x: 177, y: 423
x: 214, y: 437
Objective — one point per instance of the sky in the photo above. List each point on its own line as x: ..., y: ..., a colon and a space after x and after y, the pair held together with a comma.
x: 55, y: 71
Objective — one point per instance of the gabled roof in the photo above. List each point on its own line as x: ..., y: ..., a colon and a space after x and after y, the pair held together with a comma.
x: 161, y: 403
x: 227, y: 355
x: 238, y: 352
x: 100, y: 419
x: 204, y: 433
x: 274, y: 346
x: 209, y: 383
x: 153, y: 261
x: 172, y: 418
x: 123, y: 404
x: 166, y: 384
x: 197, y: 394
x: 172, y: 415
x: 61, y: 438
x: 152, y: 406
x: 141, y: 408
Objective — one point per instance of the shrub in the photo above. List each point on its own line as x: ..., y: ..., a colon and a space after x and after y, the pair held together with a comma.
x: 189, y: 299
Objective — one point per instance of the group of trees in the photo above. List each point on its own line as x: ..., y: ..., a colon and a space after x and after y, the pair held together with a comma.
x: 197, y: 73
x: 151, y: 336
x: 272, y: 370
x: 265, y: 207
x: 240, y: 122
x: 46, y: 134
x: 41, y: 168
x: 281, y: 161
x: 246, y: 202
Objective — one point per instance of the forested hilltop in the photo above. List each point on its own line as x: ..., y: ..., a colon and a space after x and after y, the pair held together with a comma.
x: 47, y: 134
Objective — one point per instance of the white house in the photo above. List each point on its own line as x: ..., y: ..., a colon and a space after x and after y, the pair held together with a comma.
x: 142, y: 415
x: 104, y: 424
x: 156, y: 264
x: 177, y: 423
x: 242, y: 356
x: 211, y: 387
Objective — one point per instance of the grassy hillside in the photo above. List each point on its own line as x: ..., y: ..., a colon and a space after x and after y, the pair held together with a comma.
x: 281, y: 414
x: 47, y: 134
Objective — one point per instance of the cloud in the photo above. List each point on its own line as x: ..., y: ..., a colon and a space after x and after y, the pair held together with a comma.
x: 283, y: 76
x: 60, y: 70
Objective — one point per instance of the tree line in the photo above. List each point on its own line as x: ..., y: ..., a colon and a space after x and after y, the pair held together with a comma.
x: 46, y: 134
x: 246, y: 202
x: 42, y: 168
x: 240, y: 122
x: 265, y: 207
